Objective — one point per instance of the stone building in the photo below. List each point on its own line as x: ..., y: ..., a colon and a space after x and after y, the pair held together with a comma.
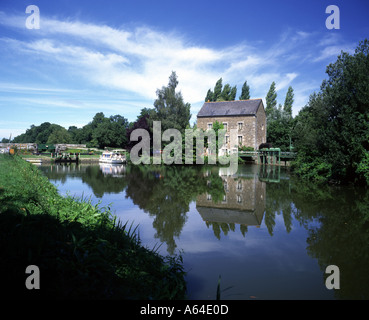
x: 246, y: 116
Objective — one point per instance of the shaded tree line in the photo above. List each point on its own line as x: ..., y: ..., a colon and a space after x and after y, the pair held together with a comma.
x: 280, y: 121
x: 331, y: 132
x: 226, y: 92
x: 100, y: 132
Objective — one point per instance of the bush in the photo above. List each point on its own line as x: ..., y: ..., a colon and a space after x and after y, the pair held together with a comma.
x: 244, y: 148
x: 363, y: 168
x: 316, y: 170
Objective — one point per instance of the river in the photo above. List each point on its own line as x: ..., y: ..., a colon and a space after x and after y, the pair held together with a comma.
x: 260, y: 233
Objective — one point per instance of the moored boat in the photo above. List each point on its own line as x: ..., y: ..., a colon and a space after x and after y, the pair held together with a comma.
x: 114, y: 157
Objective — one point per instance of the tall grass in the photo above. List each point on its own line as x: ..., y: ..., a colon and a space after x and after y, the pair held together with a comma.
x: 81, y: 249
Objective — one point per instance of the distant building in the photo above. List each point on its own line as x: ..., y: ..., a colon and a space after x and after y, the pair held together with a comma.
x: 247, y: 116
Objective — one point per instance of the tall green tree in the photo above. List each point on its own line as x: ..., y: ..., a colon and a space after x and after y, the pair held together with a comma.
x: 279, y: 120
x: 332, y: 131
x: 224, y: 96
x: 74, y: 133
x: 218, y: 89
x: 109, y: 132
x: 59, y: 135
x: 232, y: 94
x: 209, y: 96
x: 288, y: 102
x: 40, y: 134
x: 220, y: 93
x: 245, y: 93
x: 271, y: 101
x: 169, y: 107
x: 280, y: 128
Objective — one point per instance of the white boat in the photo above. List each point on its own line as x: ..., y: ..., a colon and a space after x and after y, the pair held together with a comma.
x: 114, y: 157
x: 114, y: 170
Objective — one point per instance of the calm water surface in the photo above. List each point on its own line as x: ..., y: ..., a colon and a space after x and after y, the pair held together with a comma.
x: 267, y: 235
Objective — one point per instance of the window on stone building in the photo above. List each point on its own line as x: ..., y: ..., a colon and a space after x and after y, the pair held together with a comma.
x: 240, y: 140
x: 210, y: 126
x: 239, y: 198
x: 225, y: 126
x: 239, y: 185
x: 240, y: 125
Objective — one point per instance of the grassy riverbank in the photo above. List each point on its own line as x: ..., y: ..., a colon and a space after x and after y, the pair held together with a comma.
x: 81, y: 251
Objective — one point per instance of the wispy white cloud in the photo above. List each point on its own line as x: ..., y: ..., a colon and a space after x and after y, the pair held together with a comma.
x: 140, y: 60
x: 330, y: 47
x: 11, y: 87
x: 332, y: 52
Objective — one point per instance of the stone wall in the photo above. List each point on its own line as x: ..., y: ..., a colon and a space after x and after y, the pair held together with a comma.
x: 261, y: 127
x: 247, y: 129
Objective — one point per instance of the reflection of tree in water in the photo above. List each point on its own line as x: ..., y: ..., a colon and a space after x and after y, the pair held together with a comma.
x: 337, y: 220
x: 278, y: 201
x: 165, y: 192
x: 225, y: 227
x: 101, y: 183
x: 62, y: 171
x: 342, y: 238
x: 92, y: 175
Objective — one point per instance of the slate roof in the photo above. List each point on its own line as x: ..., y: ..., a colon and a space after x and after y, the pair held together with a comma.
x: 230, y: 108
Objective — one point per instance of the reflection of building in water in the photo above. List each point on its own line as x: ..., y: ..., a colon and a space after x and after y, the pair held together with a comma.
x: 270, y: 174
x: 115, y: 170
x: 243, y: 202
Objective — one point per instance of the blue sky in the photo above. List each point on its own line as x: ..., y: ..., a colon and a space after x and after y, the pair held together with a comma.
x: 111, y: 56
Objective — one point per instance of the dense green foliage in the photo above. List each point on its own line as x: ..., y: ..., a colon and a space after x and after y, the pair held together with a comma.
x: 280, y: 122
x: 340, y: 232
x: 271, y: 101
x: 165, y: 192
x: 279, y: 129
x: 169, y: 107
x: 81, y: 250
x: 100, y: 132
x: 288, y: 102
x: 245, y: 93
x: 220, y: 93
x: 332, y: 132
x: 44, y: 133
